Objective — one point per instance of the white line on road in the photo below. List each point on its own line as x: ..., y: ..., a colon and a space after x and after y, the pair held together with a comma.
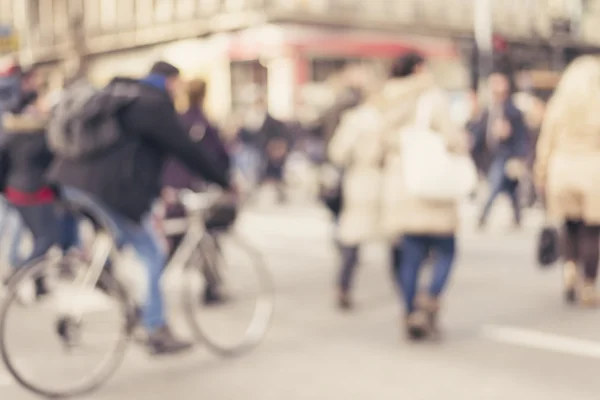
x: 542, y: 341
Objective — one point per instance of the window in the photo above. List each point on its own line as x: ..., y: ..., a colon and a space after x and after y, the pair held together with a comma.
x: 323, y: 68
x: 91, y: 16
x: 6, y: 12
x: 60, y: 19
x: 163, y: 10
x: 186, y: 9
x: 126, y: 14
x: 108, y: 15
x: 246, y: 77
x: 209, y: 7
x: 144, y: 12
x: 46, y: 21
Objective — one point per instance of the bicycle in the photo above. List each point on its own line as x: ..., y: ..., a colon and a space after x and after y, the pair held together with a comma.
x: 197, y: 252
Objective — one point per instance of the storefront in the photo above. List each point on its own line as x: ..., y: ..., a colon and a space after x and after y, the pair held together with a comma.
x: 278, y: 60
x: 281, y: 59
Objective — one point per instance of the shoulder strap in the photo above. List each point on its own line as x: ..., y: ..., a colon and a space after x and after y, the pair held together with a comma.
x: 424, y: 112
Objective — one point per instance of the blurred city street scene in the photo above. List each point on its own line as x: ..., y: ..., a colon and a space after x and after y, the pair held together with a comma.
x: 344, y: 199
x: 508, y: 335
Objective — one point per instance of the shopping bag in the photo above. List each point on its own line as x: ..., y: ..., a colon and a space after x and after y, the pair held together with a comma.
x: 430, y: 170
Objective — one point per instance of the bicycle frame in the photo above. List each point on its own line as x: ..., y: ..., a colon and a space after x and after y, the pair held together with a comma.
x: 104, y: 249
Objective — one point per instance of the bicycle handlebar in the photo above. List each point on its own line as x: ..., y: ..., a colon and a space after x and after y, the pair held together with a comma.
x: 200, y: 201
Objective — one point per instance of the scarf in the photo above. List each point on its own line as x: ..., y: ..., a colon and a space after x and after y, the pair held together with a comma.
x: 156, y: 81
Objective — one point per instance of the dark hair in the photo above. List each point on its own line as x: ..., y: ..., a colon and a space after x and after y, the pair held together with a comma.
x: 165, y: 69
x: 405, y: 65
x: 196, y: 92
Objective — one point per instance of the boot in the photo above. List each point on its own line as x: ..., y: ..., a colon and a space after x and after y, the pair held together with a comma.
x: 417, y: 326
x: 162, y: 342
x: 570, y: 278
x: 344, y: 300
x: 431, y: 306
x: 588, y: 296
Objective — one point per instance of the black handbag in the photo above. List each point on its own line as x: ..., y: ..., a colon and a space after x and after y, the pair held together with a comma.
x: 548, y: 248
x: 223, y: 214
x: 330, y: 191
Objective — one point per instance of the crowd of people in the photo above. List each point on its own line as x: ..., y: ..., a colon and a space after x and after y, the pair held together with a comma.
x: 126, y: 146
x: 508, y: 143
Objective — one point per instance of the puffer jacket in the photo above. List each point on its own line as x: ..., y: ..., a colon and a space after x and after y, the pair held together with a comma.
x: 128, y: 178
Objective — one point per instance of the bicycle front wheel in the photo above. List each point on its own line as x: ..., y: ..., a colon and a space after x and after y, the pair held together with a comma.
x: 50, y: 348
x: 228, y: 295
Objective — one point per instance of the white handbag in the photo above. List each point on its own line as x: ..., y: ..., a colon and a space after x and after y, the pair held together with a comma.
x: 430, y: 170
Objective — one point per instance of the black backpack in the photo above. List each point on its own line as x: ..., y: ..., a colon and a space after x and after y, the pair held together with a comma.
x: 85, y: 122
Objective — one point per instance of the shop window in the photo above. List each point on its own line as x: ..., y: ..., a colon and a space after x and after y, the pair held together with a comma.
x: 247, y: 78
x: 163, y: 10
x: 144, y: 13
x: 322, y: 69
x: 6, y: 12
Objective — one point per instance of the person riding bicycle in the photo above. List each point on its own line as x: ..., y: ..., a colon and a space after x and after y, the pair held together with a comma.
x: 126, y: 177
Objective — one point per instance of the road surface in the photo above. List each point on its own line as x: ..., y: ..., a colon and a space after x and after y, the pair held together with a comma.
x: 508, y: 334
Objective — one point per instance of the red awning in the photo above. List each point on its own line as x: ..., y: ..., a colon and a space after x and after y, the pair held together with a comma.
x: 327, y: 43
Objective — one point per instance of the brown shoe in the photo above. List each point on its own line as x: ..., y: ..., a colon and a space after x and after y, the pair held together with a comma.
x: 344, y: 301
x: 431, y: 307
x: 162, y: 342
x: 570, y: 280
x: 588, y: 297
x: 417, y: 326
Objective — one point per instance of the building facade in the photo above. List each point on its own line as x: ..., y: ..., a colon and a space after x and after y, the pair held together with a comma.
x: 283, y: 44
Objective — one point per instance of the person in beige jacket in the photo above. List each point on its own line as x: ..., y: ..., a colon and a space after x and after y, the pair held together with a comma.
x: 375, y: 203
x: 567, y: 172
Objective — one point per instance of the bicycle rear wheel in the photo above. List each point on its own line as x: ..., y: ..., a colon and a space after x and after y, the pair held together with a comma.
x: 40, y: 368
x: 223, y: 264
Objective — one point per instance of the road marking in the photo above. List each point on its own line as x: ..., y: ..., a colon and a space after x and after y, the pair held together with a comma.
x: 542, y: 341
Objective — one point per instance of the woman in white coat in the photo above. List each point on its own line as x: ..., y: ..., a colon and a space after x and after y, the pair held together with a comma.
x: 376, y: 204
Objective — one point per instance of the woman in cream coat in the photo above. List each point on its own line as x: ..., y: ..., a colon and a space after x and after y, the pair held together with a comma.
x: 376, y: 206
x: 568, y: 173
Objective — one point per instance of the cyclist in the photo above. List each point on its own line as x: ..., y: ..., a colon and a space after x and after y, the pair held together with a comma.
x: 125, y: 177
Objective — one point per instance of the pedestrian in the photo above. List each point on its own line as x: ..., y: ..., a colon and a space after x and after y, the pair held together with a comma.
x: 25, y: 159
x: 501, y: 132
x: 376, y: 202
x: 270, y: 139
x: 13, y: 83
x: 566, y: 171
x: 176, y: 176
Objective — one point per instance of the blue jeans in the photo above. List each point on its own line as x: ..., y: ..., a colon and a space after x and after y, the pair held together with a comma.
x: 49, y: 227
x: 10, y: 221
x: 349, y: 257
x: 145, y: 242
x: 499, y: 183
x: 416, y: 248
x: 14, y: 254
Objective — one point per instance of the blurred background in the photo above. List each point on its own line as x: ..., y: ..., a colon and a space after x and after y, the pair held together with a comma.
x: 292, y: 48
x: 509, y: 337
